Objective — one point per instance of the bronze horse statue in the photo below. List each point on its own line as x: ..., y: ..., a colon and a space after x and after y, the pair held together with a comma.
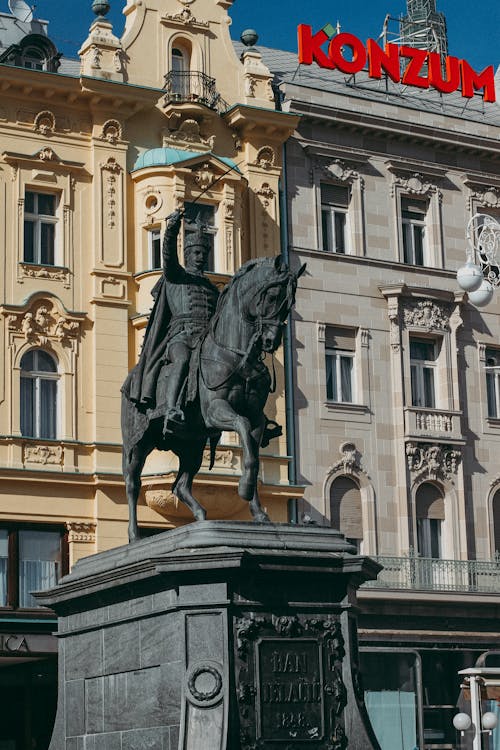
x: 227, y: 388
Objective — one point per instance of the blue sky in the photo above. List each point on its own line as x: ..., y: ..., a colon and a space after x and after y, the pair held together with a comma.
x: 473, y: 27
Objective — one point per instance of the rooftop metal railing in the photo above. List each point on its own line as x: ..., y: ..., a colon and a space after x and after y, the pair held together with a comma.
x: 414, y: 573
x: 193, y: 86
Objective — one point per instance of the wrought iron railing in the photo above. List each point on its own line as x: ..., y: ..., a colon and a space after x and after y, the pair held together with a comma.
x: 193, y: 86
x: 429, y: 574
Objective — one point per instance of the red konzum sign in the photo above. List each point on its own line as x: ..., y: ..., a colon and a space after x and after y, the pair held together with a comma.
x: 422, y: 69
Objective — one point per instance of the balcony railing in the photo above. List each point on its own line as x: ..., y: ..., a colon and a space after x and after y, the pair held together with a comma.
x: 432, y: 423
x: 415, y: 573
x: 193, y: 86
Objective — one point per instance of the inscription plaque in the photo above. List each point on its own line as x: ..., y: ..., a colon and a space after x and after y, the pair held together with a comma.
x: 290, y: 690
x: 291, y: 693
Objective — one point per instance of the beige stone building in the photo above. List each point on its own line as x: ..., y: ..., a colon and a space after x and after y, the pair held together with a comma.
x: 94, y: 154
x: 396, y: 400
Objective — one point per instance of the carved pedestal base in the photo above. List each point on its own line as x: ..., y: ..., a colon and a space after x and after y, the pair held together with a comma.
x: 214, y: 636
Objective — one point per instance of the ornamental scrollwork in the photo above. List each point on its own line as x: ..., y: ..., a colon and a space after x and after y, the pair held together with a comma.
x: 81, y: 531
x: 43, y: 454
x: 44, y: 321
x: 350, y: 463
x: 427, y: 314
x: 432, y: 461
x: 111, y: 131
x: 45, y: 122
x: 414, y: 184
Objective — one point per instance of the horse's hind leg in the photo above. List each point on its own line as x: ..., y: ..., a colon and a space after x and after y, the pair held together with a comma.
x: 189, y: 464
x: 133, y: 463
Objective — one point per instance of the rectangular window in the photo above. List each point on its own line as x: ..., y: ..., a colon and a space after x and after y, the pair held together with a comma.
x: 30, y: 560
x: 334, y: 209
x: 413, y: 215
x: 154, y: 248
x: 201, y: 213
x: 423, y: 358
x: 40, y: 223
x: 340, y: 344
x: 492, y: 369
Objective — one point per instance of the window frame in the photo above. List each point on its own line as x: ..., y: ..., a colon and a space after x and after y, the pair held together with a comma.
x: 37, y: 376
x: 154, y: 234
x: 37, y: 220
x: 338, y: 355
x: 409, y: 225
x: 492, y: 372
x: 419, y: 367
x: 13, y: 561
x: 329, y: 213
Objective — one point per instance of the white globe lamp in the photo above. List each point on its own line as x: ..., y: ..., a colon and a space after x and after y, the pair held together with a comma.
x: 483, y: 295
x: 470, y: 277
x: 489, y: 721
x: 462, y: 722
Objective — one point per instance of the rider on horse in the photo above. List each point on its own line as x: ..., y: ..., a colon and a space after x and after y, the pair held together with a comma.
x: 185, y: 301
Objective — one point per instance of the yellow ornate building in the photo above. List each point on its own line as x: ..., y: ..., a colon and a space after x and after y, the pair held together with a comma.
x: 94, y: 154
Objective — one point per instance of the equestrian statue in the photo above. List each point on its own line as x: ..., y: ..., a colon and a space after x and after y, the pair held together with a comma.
x: 201, y: 368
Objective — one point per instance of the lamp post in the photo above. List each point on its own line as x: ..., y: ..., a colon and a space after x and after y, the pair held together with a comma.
x: 480, y: 723
x: 481, y: 273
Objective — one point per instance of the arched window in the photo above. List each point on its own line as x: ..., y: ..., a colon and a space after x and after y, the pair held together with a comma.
x: 430, y: 516
x: 179, y: 67
x: 495, y: 511
x: 345, y: 509
x: 39, y: 379
x: 34, y: 58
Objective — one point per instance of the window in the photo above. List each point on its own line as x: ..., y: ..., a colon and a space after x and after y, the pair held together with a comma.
x: 154, y: 248
x: 429, y: 516
x: 334, y: 207
x: 179, y: 66
x: 201, y: 213
x: 39, y: 378
x: 340, y: 344
x: 30, y: 560
x: 423, y: 357
x: 413, y: 213
x: 496, y: 522
x: 345, y: 509
x: 40, y: 223
x: 492, y: 369
x: 34, y: 59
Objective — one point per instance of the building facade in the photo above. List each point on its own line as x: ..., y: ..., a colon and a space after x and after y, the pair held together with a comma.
x: 396, y: 402
x: 94, y: 154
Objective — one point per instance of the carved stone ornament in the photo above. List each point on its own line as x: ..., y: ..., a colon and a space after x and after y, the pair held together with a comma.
x: 427, y: 314
x: 350, y: 461
x: 47, y: 154
x: 204, y: 177
x: 413, y: 184
x: 295, y: 661
x: 266, y: 157
x: 43, y: 454
x: 224, y: 459
x: 45, y: 122
x: 43, y: 322
x: 338, y: 170
x: 111, y: 131
x: 188, y: 134
x: 205, y: 684
x: 488, y: 197
x: 432, y: 461
x: 186, y: 18
x: 266, y: 194
x: 81, y: 531
x: 31, y: 271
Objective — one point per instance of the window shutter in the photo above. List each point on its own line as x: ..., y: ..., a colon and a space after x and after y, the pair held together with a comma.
x: 345, y: 508
x: 429, y: 502
x: 334, y: 195
x: 340, y: 338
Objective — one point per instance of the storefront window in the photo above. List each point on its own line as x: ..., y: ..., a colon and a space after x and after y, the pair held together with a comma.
x: 39, y: 563
x: 390, y: 681
x: 4, y: 554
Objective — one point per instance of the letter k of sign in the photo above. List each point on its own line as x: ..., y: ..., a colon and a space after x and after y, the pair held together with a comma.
x: 310, y: 47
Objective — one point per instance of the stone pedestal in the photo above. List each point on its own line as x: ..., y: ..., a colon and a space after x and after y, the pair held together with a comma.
x: 214, y: 636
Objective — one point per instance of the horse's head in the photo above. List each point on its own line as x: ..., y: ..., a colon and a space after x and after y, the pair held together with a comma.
x: 272, y: 300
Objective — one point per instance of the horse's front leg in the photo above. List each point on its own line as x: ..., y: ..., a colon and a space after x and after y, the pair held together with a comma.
x: 190, y: 460
x: 221, y: 416
x: 133, y: 463
x: 256, y: 509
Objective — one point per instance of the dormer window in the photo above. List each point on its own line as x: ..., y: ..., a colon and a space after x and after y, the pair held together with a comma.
x: 34, y: 59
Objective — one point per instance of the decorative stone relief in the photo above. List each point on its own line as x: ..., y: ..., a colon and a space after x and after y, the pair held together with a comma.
x: 414, y: 184
x: 43, y: 454
x: 81, y: 531
x: 204, y: 177
x: 44, y: 321
x: 266, y: 157
x: 95, y: 57
x: 109, y: 189
x: 427, y: 314
x: 338, y: 170
x: 27, y: 270
x: 186, y: 18
x: 111, y: 131
x: 188, y: 134
x: 488, y: 197
x: 228, y: 209
x: 266, y: 193
x: 45, y: 123
x: 350, y: 463
x: 224, y: 459
x: 432, y: 461
x: 47, y: 154
x: 250, y: 85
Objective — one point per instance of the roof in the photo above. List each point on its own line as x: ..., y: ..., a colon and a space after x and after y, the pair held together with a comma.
x: 161, y: 157
x: 285, y: 67
x: 13, y: 31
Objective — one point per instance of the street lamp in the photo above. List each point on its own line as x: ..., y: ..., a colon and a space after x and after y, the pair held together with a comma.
x: 480, y: 723
x: 481, y: 273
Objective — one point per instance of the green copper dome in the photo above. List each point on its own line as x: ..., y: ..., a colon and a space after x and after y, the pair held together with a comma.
x: 164, y: 157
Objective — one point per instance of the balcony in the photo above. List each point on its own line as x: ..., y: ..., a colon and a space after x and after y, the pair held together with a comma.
x: 432, y: 424
x: 415, y: 573
x: 193, y: 87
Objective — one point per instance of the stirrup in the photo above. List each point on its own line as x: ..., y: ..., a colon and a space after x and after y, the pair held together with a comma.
x: 271, y: 430
x: 174, y: 419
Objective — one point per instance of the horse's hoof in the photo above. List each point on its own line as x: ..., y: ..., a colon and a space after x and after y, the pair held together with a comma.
x: 261, y: 517
x: 200, y: 515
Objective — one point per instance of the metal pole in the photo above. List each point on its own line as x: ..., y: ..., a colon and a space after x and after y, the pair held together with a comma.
x: 475, y: 710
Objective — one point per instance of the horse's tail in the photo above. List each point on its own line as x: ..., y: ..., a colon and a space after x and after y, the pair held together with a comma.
x: 213, y: 446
